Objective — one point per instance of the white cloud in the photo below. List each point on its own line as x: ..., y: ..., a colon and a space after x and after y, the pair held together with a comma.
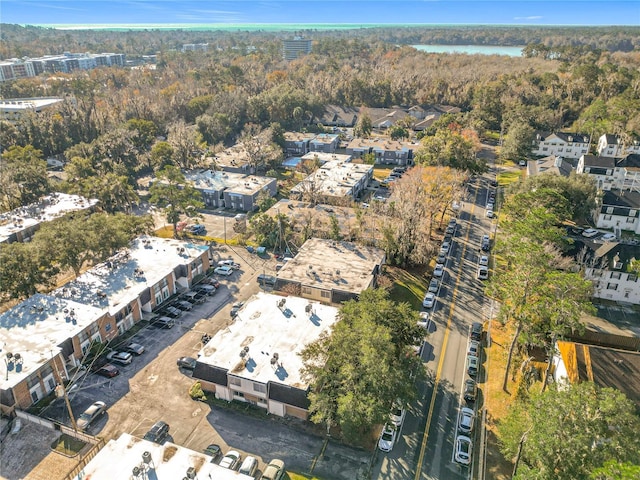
x: 531, y: 17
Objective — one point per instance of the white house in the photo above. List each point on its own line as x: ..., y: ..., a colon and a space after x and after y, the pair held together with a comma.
x: 619, y: 210
x: 562, y: 144
x: 613, y: 146
x: 612, y: 173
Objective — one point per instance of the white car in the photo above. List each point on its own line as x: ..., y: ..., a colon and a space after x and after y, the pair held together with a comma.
x: 484, y: 260
x: 439, y: 270
x: 429, y: 300
x: 226, y: 270
x: 433, y: 285
x: 397, y: 414
x: 489, y: 213
x: 609, y: 237
x: 590, y: 233
x: 231, y: 460
x: 474, y: 348
x: 483, y: 272
x: 463, y: 450
x: 424, y: 320
x: 387, y: 437
x: 490, y: 206
x: 445, y: 247
x: 465, y: 420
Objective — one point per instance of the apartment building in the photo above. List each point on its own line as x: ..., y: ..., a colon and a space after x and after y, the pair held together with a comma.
x: 612, y: 173
x: 561, y: 144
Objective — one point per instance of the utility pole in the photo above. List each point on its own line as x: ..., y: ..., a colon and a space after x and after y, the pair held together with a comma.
x: 62, y: 392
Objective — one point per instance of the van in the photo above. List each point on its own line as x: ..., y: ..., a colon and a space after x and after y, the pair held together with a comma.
x: 266, y: 279
x: 249, y: 466
x: 165, y: 322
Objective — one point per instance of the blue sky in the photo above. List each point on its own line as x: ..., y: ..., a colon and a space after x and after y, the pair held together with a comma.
x: 499, y: 12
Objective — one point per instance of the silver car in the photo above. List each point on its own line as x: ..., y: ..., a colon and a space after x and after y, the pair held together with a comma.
x: 90, y: 414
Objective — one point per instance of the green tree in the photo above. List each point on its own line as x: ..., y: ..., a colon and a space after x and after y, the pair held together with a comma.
x: 570, y: 433
x: 161, y: 155
x: 364, y: 366
x: 172, y: 193
x: 449, y: 148
x: 23, y: 268
x: 23, y: 177
x: 267, y: 229
x: 517, y: 142
x: 146, y: 131
x: 613, y: 470
x: 398, y: 132
x: 363, y: 125
x: 335, y: 233
x: 265, y: 201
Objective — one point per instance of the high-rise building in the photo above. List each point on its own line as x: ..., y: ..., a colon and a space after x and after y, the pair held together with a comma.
x: 292, y: 49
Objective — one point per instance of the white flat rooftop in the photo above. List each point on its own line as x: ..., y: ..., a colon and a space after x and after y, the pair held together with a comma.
x: 35, y: 328
x: 331, y: 265
x: 17, y: 104
x: 268, y: 329
x: 230, y: 182
x: 46, y: 209
x: 324, y: 157
x: 119, y: 457
x: 335, y: 178
x: 118, y: 281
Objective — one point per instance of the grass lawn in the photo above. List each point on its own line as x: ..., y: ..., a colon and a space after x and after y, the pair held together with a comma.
x: 380, y: 173
x: 408, y: 286
x: 301, y: 476
x: 67, y: 445
x: 507, y: 178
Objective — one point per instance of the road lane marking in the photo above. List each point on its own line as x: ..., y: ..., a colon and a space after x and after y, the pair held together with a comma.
x: 445, y: 341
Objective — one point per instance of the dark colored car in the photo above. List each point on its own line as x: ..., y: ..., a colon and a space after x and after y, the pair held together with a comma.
x: 214, y: 451
x: 211, y: 281
x: 188, y: 363
x: 266, y: 279
x: 475, y: 332
x: 158, y: 433
x: 171, y: 312
x: 197, y: 229
x: 235, y: 308
x: 107, y: 370
x: 470, y: 390
x: 134, y: 348
x: 183, y: 305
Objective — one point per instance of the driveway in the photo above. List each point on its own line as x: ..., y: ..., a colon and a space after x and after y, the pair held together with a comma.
x: 153, y: 388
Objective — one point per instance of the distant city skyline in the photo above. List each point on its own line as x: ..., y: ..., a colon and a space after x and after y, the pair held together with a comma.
x: 497, y: 12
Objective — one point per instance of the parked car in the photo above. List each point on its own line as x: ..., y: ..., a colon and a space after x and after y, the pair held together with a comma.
x: 485, y: 244
x: 490, y: 205
x: 214, y: 451
x: 273, y: 471
x: 433, y: 286
x: 210, y: 281
x: 387, y: 437
x: 590, y: 232
x: 609, y: 237
x: 231, y: 460
x: 206, y: 289
x: 171, y: 312
x: 450, y: 230
x: 90, y: 414
x: 225, y: 270
x: 445, y: 247
x: 484, y: 260
x: 164, y: 322
x: 107, y: 370
x: 466, y: 419
x: 463, y: 450
x: 183, y: 305
x: 453, y: 222
x: 424, y: 320
x: 475, y: 331
x: 134, y: 348
x: 158, y: 432
x: 474, y: 348
x: 483, y: 272
x: 229, y: 263
x: 441, y: 258
x: 397, y: 413
x: 195, y: 298
x: 249, y: 466
x: 490, y: 214
x: 472, y: 365
x: 438, y: 271
x: 470, y: 390
x: 123, y: 358
x: 428, y: 300
x: 188, y: 363
x: 197, y: 229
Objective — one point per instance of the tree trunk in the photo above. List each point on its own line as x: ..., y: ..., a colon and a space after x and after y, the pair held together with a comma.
x: 545, y: 382
x: 511, y: 349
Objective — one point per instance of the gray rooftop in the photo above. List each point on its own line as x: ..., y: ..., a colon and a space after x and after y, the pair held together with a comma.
x: 324, y: 157
x: 46, y: 209
x: 35, y: 329
x: 120, y: 280
x: 269, y: 324
x: 209, y: 180
x: 335, y: 178
x: 332, y: 265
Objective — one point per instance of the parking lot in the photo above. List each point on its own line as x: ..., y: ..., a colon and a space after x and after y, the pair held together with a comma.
x: 153, y: 388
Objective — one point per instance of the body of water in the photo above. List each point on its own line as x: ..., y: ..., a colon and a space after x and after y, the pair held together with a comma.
x: 472, y: 49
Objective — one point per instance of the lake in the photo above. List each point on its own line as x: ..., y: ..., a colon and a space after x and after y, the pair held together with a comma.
x: 472, y: 49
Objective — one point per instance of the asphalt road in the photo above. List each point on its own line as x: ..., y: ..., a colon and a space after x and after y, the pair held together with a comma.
x: 425, y: 447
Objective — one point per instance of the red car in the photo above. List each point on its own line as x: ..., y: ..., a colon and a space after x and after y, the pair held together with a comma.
x: 107, y: 370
